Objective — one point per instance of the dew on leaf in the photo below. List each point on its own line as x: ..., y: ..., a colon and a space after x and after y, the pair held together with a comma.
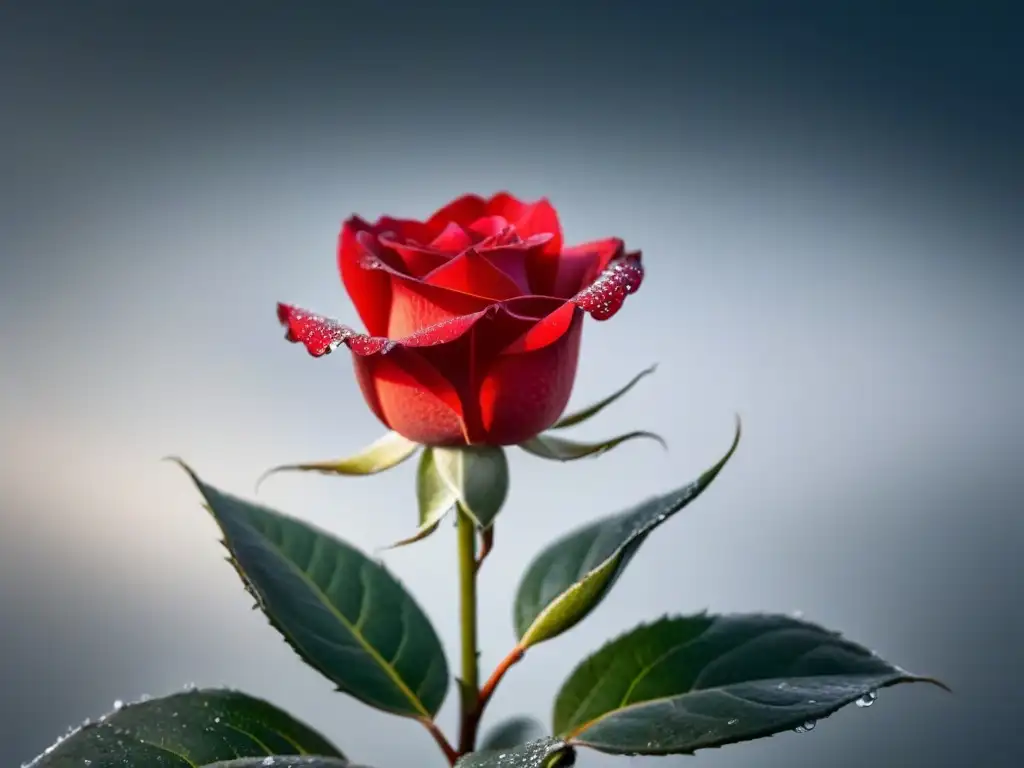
x: 867, y: 699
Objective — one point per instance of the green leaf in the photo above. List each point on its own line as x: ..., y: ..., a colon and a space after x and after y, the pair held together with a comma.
x: 580, y: 416
x: 556, y: 448
x: 512, y: 732
x: 570, y: 578
x: 342, y: 612
x: 435, y: 497
x: 284, y: 761
x: 688, y: 683
x: 543, y: 753
x: 383, y: 454
x: 185, y: 730
x: 478, y: 477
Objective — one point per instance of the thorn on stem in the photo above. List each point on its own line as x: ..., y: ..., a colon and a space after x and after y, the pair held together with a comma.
x: 486, y: 545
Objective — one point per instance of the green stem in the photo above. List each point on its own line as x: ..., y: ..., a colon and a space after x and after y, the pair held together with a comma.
x: 467, y: 610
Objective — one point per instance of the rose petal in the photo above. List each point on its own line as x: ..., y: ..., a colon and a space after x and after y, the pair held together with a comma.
x: 538, y: 218
x: 404, y: 230
x: 605, y: 296
x: 370, y: 290
x: 513, y: 258
x: 436, y: 385
x: 411, y: 397
x: 579, y: 265
x: 418, y: 259
x: 547, y: 330
x: 462, y: 210
x: 493, y: 226
x: 417, y: 305
x: 469, y: 272
x: 453, y: 239
x: 524, y: 393
x: 391, y: 373
x: 322, y: 335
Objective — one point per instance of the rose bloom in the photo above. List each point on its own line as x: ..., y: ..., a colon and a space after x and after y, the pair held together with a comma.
x: 473, y: 317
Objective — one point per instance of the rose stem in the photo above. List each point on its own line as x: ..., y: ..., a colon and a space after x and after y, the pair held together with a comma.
x: 467, y: 598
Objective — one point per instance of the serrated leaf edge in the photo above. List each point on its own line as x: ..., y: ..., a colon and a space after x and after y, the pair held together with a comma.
x: 900, y: 676
x: 421, y: 710
x: 102, y: 719
x: 611, y: 561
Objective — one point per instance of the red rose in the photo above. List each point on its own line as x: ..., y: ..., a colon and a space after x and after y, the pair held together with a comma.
x: 474, y: 317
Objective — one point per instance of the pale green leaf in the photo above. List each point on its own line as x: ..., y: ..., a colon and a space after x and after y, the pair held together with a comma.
x: 556, y: 448
x: 385, y: 453
x: 435, y: 498
x: 578, y: 417
x: 570, y: 578
x: 478, y: 476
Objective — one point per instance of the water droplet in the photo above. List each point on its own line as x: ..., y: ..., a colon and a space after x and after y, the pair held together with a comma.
x: 806, y: 727
x: 797, y: 614
x: 867, y: 699
x: 605, y: 296
x: 118, y: 705
x: 733, y: 721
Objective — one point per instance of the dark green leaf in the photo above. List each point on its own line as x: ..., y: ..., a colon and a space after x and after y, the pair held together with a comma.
x: 570, y: 578
x: 688, y: 683
x: 556, y: 448
x: 434, y: 496
x: 383, y: 454
x: 284, y: 761
x: 186, y: 730
x: 342, y: 612
x: 580, y: 416
x: 543, y: 753
x: 478, y: 476
x: 512, y: 732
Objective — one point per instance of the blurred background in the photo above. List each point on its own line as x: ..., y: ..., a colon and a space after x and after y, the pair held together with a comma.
x: 828, y: 197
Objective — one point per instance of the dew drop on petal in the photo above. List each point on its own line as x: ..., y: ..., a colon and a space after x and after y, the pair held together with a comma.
x: 606, y: 295
x: 322, y: 335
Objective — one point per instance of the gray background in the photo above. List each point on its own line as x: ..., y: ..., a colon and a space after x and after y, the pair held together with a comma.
x: 828, y: 201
